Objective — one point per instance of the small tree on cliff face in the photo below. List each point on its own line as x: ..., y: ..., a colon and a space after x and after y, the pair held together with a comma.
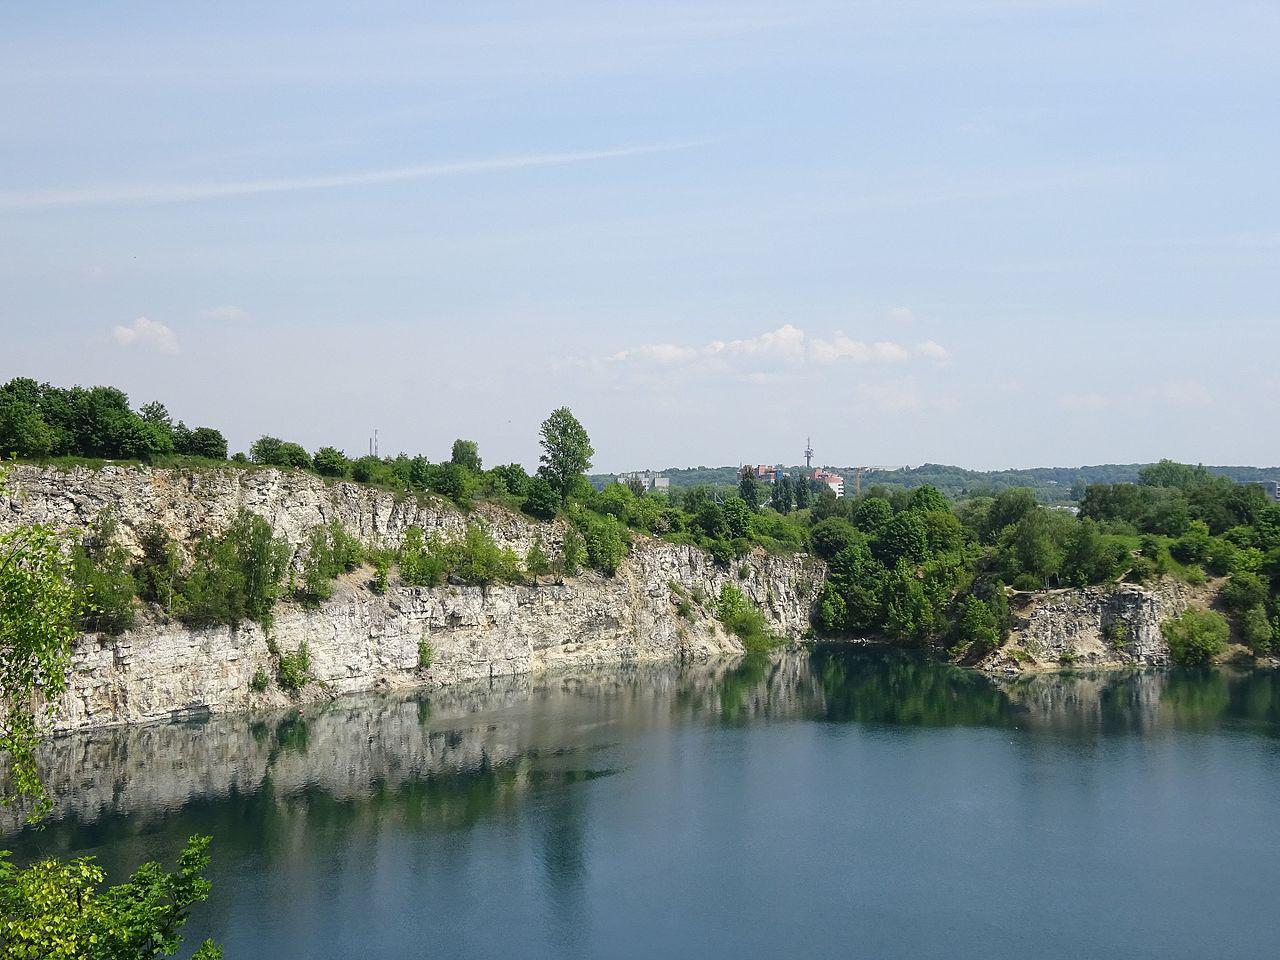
x: 38, y: 613
x: 566, y: 451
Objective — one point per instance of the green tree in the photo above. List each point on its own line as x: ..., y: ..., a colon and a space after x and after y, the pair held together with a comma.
x: 540, y: 500
x: 872, y: 515
x: 1196, y: 636
x: 976, y: 626
x: 803, y: 492
x: 331, y: 462
x: 573, y: 552
x: 237, y: 576
x: 274, y: 452
x: 1244, y: 591
x: 56, y: 909
x: 749, y: 488
x: 832, y: 535
x: 566, y: 451
x: 783, y: 497
x: 100, y: 570
x: 1255, y: 630
x: 466, y: 454
x: 38, y: 623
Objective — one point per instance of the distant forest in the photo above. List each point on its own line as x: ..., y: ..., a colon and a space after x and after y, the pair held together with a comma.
x: 1051, y: 484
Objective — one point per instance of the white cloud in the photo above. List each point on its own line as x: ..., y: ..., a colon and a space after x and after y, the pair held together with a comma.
x: 786, y: 348
x: 932, y: 350
x: 227, y: 312
x: 148, y: 334
x: 901, y: 314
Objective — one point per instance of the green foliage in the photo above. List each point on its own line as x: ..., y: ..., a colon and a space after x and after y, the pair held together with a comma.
x: 604, y: 538
x: 236, y: 577
x: 101, y: 571
x: 976, y: 626
x: 536, y: 562
x: 466, y: 454
x: 422, y: 563
x: 1256, y: 630
x: 260, y: 681
x: 566, y: 451
x: 782, y: 498
x: 573, y: 552
x: 381, y: 569
x: 39, y: 608
x: 331, y: 462
x: 331, y: 552
x: 478, y: 560
x: 1196, y: 636
x: 425, y: 653
x: 741, y: 618
x: 749, y: 489
x: 60, y: 909
x: 541, y: 499
x: 1243, y: 592
x: 159, y: 571
x: 294, y: 672
x: 832, y: 535
x: 274, y: 452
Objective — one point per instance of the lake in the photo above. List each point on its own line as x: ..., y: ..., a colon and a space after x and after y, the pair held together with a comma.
x: 846, y: 803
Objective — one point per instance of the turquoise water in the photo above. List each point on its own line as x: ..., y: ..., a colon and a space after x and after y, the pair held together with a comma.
x: 850, y: 804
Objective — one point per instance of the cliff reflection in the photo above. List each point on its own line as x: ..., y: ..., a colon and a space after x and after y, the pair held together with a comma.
x: 450, y: 759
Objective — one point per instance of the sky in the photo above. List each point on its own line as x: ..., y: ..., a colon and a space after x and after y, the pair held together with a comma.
x: 994, y: 233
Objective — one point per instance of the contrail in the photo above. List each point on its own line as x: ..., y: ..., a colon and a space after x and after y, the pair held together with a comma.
x: 185, y: 192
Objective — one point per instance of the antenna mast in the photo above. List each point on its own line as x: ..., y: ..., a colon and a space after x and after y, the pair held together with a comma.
x: 808, y: 453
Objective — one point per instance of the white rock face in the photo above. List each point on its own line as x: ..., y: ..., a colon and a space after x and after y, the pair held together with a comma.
x: 1104, y: 625
x: 358, y: 641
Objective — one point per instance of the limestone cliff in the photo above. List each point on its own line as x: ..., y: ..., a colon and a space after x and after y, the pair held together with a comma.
x: 359, y: 641
x: 1114, y: 624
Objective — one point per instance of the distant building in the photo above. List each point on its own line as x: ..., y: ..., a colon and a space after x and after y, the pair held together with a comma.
x: 647, y: 478
x: 834, y: 482
x: 1272, y: 489
x: 767, y: 474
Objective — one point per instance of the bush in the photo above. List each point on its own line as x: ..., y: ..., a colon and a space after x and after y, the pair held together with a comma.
x: 573, y: 553
x: 425, y: 653
x: 1195, y: 637
x: 1255, y: 630
x: 741, y: 618
x: 237, y: 576
x: 331, y: 462
x: 274, y: 452
x: 381, y: 566
x: 478, y: 560
x: 422, y: 563
x: 331, y: 551
x: 295, y: 668
x: 1243, y: 592
x: 540, y: 499
x: 159, y: 571
x: 976, y: 626
x: 260, y: 681
x: 536, y: 562
x: 103, y: 580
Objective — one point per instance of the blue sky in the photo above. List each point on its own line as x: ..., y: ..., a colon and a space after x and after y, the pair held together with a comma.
x: 966, y: 231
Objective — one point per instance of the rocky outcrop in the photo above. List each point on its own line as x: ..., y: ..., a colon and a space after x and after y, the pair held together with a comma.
x: 358, y: 641
x: 1106, y: 625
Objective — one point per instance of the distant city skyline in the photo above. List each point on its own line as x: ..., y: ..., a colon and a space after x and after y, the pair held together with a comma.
x: 978, y: 232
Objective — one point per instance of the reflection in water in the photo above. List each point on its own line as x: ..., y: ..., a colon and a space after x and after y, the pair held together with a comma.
x: 316, y: 811
x: 449, y: 758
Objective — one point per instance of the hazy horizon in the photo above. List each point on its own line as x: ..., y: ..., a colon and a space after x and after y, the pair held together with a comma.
x: 975, y: 232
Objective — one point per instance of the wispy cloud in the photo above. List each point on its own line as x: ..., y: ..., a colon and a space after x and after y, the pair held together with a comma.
x: 187, y: 192
x: 147, y: 334
x: 224, y: 313
x: 772, y: 352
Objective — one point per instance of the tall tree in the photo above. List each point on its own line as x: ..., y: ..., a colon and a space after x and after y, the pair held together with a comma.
x: 466, y: 453
x: 749, y: 488
x: 804, y: 492
x: 783, y: 497
x: 566, y: 451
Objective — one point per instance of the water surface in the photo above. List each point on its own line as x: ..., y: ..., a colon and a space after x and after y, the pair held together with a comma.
x: 848, y: 803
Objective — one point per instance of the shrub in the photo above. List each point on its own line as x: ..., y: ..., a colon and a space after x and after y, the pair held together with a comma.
x: 541, y: 499
x: 1255, y: 630
x: 274, y: 452
x: 101, y: 574
x: 331, y: 462
x: 741, y: 618
x: 295, y: 668
x: 1196, y: 636
x: 260, y: 681
x: 381, y: 565
x: 425, y: 653
x: 1117, y: 633
x: 478, y: 560
x: 976, y: 626
x: 1243, y: 592
x: 331, y: 551
x: 536, y: 562
x: 573, y: 553
x: 159, y: 571
x: 237, y: 576
x: 422, y: 563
